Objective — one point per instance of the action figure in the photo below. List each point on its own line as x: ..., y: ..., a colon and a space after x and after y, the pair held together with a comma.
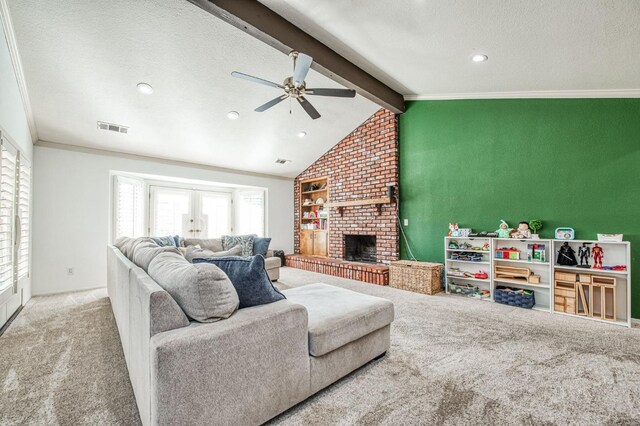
x: 584, y: 252
x: 567, y: 255
x: 504, y: 230
x: 597, y: 253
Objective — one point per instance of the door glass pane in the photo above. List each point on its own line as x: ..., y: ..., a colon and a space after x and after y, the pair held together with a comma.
x: 170, y: 212
x: 129, y: 208
x: 250, y: 212
x: 215, y: 218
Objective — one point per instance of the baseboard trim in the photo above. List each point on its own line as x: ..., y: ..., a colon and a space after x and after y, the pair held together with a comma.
x: 10, y: 320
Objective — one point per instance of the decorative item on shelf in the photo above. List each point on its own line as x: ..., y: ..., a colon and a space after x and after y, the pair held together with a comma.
x: 515, y: 297
x: 308, y: 202
x: 566, y: 255
x: 565, y: 233
x: 481, y: 275
x: 320, y: 201
x: 453, y: 230
x: 610, y: 238
x: 465, y: 246
x: 615, y: 268
x: 464, y: 232
x: 536, y: 252
x: 453, y: 244
x: 312, y: 214
x: 584, y: 252
x: 598, y: 254
x: 535, y: 225
x: 483, y: 234
x: 511, y: 253
x: 485, y: 247
x: 503, y: 230
x: 323, y: 185
x: 522, y: 232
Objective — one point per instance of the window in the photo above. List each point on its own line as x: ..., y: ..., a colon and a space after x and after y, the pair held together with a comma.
x: 129, y: 208
x: 8, y: 162
x: 250, y: 212
x: 24, y: 236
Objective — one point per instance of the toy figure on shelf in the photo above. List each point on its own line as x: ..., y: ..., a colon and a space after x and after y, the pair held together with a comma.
x: 584, y: 252
x: 522, y: 232
x: 485, y: 247
x: 566, y: 255
x: 504, y: 230
x: 597, y: 253
x: 453, y: 230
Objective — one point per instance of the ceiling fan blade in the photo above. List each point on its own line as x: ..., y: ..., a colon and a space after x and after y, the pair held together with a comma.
x: 313, y: 113
x: 340, y: 93
x: 303, y: 63
x: 256, y: 80
x: 271, y: 103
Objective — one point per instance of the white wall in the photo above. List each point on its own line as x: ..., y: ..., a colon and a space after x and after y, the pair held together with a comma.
x: 72, y: 211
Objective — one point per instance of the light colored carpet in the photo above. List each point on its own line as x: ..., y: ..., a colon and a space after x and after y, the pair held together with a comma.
x: 452, y: 361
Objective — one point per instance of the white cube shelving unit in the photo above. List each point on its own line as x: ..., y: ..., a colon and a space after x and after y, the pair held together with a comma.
x: 614, y: 254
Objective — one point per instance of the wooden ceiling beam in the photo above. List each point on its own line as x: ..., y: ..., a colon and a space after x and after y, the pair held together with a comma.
x: 264, y: 24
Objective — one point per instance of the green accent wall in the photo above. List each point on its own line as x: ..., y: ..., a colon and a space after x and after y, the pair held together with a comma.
x: 569, y: 162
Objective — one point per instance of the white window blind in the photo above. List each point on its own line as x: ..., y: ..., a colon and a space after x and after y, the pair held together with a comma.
x: 129, y: 208
x: 249, y: 207
x: 24, y: 198
x: 8, y: 159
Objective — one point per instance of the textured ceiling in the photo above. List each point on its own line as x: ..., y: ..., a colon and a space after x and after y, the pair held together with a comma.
x: 82, y: 61
x: 423, y: 47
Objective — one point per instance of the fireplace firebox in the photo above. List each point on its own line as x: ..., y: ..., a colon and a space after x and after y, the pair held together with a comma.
x: 360, y: 248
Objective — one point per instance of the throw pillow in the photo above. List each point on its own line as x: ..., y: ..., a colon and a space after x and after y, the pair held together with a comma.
x: 261, y: 246
x: 203, y: 291
x: 213, y: 244
x: 193, y: 252
x: 249, y: 277
x: 165, y: 241
x: 146, y: 251
x: 245, y: 241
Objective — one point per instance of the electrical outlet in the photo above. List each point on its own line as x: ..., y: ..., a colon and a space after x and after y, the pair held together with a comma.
x: 406, y: 222
x: 69, y: 271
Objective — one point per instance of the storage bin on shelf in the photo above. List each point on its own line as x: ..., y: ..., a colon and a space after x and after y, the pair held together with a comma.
x: 464, y: 288
x: 515, y: 297
x: 420, y: 277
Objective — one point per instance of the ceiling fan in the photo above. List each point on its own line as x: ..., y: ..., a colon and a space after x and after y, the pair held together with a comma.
x: 295, y: 86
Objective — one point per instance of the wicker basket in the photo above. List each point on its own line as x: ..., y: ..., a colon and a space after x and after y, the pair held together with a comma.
x: 421, y: 277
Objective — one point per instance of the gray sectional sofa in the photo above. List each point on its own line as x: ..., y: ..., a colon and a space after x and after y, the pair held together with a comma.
x: 245, y: 369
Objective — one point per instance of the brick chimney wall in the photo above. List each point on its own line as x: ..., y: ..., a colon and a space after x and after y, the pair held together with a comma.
x: 359, y: 167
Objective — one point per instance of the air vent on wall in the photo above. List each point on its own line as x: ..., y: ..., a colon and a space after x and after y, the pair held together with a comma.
x: 112, y: 127
x: 282, y: 161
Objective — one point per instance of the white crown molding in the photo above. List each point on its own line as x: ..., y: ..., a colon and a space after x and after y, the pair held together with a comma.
x: 546, y: 94
x: 7, y: 25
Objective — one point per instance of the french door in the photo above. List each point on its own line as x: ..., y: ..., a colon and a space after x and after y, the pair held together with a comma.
x: 189, y: 213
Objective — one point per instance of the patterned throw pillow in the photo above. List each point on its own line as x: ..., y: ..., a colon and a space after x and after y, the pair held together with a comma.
x: 244, y: 241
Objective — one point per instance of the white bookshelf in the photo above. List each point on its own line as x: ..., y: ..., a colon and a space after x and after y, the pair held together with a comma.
x: 469, y: 266
x: 614, y: 254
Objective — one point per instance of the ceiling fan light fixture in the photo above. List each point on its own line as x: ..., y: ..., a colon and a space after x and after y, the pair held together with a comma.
x: 302, y: 134
x: 144, y: 88
x: 479, y: 58
x: 233, y: 115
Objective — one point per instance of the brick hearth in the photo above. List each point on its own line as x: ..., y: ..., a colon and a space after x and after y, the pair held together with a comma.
x: 369, y: 273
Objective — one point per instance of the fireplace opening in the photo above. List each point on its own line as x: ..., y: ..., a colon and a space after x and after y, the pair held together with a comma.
x: 360, y: 248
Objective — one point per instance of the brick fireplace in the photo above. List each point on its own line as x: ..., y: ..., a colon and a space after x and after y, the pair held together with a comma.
x: 359, y: 168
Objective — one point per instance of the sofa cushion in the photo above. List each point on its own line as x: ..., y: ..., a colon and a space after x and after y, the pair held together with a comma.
x: 193, y: 252
x: 213, y: 244
x: 146, y: 251
x: 203, y: 291
x: 249, y: 277
x: 245, y: 241
x: 166, y: 241
x: 261, y: 245
x: 338, y: 316
x: 127, y: 245
x: 272, y: 262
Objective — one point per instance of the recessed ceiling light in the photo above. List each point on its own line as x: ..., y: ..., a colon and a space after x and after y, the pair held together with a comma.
x: 233, y: 115
x: 302, y: 134
x: 479, y: 58
x: 145, y: 88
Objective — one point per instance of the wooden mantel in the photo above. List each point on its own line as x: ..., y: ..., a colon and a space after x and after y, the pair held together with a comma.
x: 378, y: 202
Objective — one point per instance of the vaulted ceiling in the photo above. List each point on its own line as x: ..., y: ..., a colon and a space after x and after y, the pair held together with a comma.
x: 82, y: 61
